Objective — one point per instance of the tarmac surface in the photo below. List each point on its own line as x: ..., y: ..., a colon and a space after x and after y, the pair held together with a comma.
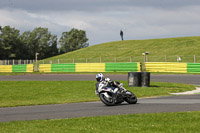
x: 87, y: 109
x: 172, y: 78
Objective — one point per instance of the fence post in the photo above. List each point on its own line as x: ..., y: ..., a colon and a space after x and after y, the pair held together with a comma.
x: 144, y: 62
x: 58, y: 61
x: 194, y: 58
x: 131, y: 59
x: 73, y: 60
x: 165, y: 58
x: 86, y: 60
x: 13, y: 62
x: 115, y: 59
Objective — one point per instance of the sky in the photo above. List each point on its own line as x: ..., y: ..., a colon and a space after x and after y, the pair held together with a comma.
x: 103, y: 19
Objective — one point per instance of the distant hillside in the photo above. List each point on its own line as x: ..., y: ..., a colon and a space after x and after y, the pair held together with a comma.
x: 158, y: 48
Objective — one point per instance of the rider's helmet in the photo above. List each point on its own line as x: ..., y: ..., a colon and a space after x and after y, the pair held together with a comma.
x: 99, y: 77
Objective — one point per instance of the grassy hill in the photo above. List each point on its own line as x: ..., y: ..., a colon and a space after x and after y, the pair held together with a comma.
x: 160, y: 50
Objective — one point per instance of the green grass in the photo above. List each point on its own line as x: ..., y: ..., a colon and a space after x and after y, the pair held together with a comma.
x: 18, y: 93
x: 184, y: 122
x: 12, y: 73
x: 186, y: 47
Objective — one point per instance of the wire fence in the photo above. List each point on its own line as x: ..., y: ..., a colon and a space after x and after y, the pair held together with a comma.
x: 16, y: 62
x: 92, y: 60
x: 149, y: 58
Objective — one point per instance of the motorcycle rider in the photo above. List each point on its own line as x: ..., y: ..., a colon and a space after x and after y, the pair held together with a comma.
x: 102, y: 82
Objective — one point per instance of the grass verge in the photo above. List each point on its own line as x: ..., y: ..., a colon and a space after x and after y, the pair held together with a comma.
x: 183, y: 122
x: 20, y: 93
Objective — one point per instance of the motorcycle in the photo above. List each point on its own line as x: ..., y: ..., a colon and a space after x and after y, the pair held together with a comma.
x: 110, y: 95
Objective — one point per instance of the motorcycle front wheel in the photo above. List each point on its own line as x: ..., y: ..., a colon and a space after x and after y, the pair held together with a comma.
x: 107, y: 101
x: 131, y: 98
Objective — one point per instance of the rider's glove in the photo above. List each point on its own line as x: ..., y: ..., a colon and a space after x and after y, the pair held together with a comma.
x: 108, y: 80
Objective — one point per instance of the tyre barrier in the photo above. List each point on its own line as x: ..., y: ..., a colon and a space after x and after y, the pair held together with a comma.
x: 139, y: 79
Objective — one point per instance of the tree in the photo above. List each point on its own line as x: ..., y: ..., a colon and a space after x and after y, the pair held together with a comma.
x: 73, y: 40
x: 10, y: 44
x: 41, y: 41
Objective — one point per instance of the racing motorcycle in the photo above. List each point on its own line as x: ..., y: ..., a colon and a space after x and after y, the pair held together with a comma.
x: 110, y: 95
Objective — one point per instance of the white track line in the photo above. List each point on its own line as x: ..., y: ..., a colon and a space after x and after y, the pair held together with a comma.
x: 188, y: 92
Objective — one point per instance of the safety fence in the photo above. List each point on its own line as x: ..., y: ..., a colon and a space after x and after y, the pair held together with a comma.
x: 16, y: 62
x: 172, y: 67
x: 16, y: 68
x: 91, y: 67
x: 149, y: 58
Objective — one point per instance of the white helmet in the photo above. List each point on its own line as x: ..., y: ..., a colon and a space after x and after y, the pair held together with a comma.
x: 99, y: 77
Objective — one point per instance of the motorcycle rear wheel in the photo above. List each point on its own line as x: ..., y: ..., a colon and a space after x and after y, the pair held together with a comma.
x: 131, y: 99
x: 107, y: 102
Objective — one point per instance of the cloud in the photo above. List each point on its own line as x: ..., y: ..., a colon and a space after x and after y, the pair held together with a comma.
x: 102, y: 19
x: 93, y: 5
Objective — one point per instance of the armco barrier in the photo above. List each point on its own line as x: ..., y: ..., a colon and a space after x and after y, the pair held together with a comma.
x: 19, y: 68
x: 45, y: 67
x: 121, y: 67
x: 29, y: 68
x: 193, y: 67
x: 6, y: 68
x: 63, y: 67
x: 91, y: 67
x: 166, y: 67
x: 16, y: 68
x: 172, y: 67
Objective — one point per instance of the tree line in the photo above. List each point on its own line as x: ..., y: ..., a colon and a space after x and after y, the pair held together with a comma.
x: 14, y: 45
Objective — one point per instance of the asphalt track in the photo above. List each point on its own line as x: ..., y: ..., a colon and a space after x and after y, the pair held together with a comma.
x: 172, y: 78
x: 87, y: 109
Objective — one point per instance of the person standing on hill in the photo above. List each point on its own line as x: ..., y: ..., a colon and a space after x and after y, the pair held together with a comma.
x: 122, y: 34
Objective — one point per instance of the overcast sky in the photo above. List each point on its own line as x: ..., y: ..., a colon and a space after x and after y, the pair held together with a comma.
x: 103, y: 19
